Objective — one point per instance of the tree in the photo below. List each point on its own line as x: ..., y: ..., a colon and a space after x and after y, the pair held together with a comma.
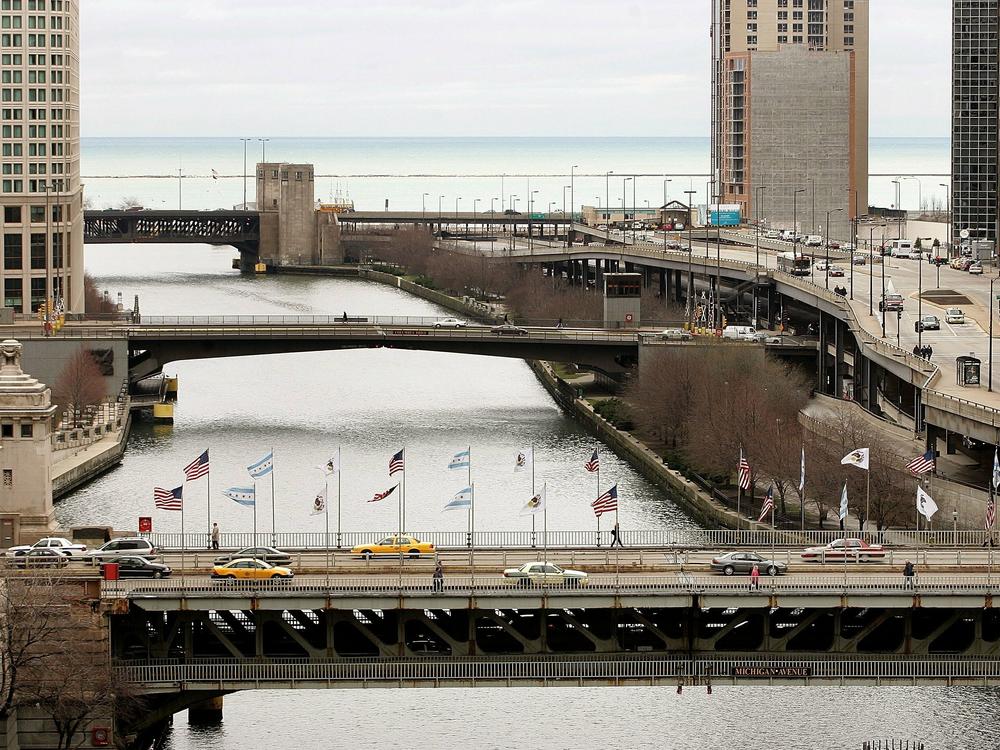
x: 93, y: 301
x: 79, y: 386
x: 129, y: 202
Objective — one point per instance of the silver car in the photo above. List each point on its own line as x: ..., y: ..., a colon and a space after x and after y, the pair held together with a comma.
x: 545, y: 574
x: 676, y: 334
x: 732, y: 563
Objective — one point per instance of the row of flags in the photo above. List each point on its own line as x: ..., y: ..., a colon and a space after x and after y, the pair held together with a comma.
x: 173, y: 499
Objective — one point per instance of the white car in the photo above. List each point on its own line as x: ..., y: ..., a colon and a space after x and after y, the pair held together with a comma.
x: 854, y: 549
x: 545, y: 574
x: 50, y: 542
x: 772, y: 234
x: 820, y: 265
x: 676, y: 334
x: 449, y: 323
x: 954, y: 315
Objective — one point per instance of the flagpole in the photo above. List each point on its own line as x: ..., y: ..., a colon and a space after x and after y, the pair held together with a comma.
x: 254, y: 543
x: 472, y: 522
x: 326, y: 533
x: 471, y: 519
x: 183, y: 545
x: 868, y: 498
x: 274, y: 531
x: 532, y: 493
x: 340, y: 468
x: 598, y: 452
x: 208, y: 498
x: 402, y: 496
x: 739, y: 489
x: 545, y: 517
x: 802, y: 490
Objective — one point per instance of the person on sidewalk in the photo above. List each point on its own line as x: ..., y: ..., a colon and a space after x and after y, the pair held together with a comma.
x: 215, y: 535
x: 908, y: 574
x: 438, y: 577
x: 616, y: 537
x: 754, y: 578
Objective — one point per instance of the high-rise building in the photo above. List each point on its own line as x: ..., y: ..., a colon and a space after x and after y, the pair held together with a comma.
x: 40, y: 192
x: 974, y: 119
x: 790, y: 111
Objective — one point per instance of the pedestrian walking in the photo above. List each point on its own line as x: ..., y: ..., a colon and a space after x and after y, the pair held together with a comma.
x: 215, y: 535
x: 754, y: 577
x: 438, y: 578
x: 916, y: 351
x: 616, y: 537
x: 559, y: 324
x: 930, y: 351
x: 344, y: 319
x: 908, y: 573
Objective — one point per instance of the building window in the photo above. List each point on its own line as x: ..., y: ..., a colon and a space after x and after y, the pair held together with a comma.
x: 57, y: 250
x: 37, y: 214
x: 37, y: 294
x: 12, y: 294
x: 12, y: 214
x: 12, y: 252
x: 27, y: 429
x: 7, y: 430
x: 37, y: 251
x: 8, y: 477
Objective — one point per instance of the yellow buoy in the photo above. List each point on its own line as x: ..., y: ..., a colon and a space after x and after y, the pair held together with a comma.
x: 163, y: 413
x: 260, y: 268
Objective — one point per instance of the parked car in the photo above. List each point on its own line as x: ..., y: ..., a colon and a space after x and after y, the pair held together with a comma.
x: 125, y: 547
x: 835, y: 271
x: 509, y: 329
x: 676, y: 334
x: 50, y: 542
x: 545, y: 573
x: 854, y: 549
x: 394, y: 545
x: 251, y: 570
x: 449, y: 323
x: 732, y: 563
x: 954, y: 315
x: 929, y: 323
x: 43, y: 557
x: 267, y: 554
x: 859, y: 260
x: 138, y: 567
x: 975, y: 267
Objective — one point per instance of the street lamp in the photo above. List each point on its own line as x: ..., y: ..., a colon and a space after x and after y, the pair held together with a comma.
x: 531, y: 210
x: 625, y: 182
x: 920, y: 191
x: 474, y: 202
x: 759, y: 197
x: 899, y: 208
x: 572, y: 198
x: 459, y: 198
x: 690, y: 290
x: 665, y: 181
x: 423, y: 208
x: 947, y: 211
x: 263, y: 148
x: 245, y: 142
x: 607, y: 202
x: 493, y: 229
x: 993, y: 301
x: 795, y: 223
x: 827, y: 243
x: 569, y: 219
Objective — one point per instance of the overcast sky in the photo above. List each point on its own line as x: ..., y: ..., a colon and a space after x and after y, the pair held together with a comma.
x: 452, y: 67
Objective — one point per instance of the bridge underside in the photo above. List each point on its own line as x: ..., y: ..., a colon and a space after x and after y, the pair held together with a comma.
x: 149, y: 356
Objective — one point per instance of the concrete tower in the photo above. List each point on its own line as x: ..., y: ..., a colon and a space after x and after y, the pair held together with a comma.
x: 25, y: 449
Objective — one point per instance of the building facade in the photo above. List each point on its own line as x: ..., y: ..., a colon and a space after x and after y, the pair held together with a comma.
x: 294, y: 229
x: 790, y: 111
x: 974, y: 119
x: 41, y: 196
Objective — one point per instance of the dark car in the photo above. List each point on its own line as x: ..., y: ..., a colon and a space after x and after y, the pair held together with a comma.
x: 742, y: 562
x: 267, y: 554
x: 139, y: 567
x: 43, y: 557
x: 509, y: 329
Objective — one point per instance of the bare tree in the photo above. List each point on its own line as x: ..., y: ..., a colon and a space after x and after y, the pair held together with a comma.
x: 79, y: 386
x: 129, y: 202
x: 93, y: 301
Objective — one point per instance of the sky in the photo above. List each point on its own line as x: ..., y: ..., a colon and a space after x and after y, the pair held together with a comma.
x: 452, y: 67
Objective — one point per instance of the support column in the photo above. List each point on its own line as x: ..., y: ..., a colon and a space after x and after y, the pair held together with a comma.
x: 838, y: 387
x: 821, y: 362
x: 665, y: 274
x: 208, y: 711
x: 677, y: 287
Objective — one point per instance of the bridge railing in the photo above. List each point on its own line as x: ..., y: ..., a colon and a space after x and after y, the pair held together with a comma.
x: 669, y: 539
x: 562, y: 667
x: 597, y: 585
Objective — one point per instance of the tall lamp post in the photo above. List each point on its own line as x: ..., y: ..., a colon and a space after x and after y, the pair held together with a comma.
x: 690, y: 290
x: 569, y: 226
x: 795, y: 223
x: 493, y: 229
x: 989, y: 386
x: 263, y: 148
x: 827, y: 243
x: 665, y: 181
x: 899, y: 208
x: 423, y: 208
x: 474, y: 202
x: 758, y: 196
x: 572, y: 198
x: 947, y: 211
x: 625, y: 182
x: 245, y: 142
x: 920, y: 192
x: 607, y: 202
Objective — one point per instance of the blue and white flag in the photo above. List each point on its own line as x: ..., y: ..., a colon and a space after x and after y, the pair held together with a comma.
x: 242, y: 495
x: 461, y: 501
x: 843, y: 503
x: 332, y: 466
x: 460, y: 460
x: 262, y: 467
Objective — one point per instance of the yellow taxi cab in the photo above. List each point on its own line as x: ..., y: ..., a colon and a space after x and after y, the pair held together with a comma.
x: 395, y: 545
x: 249, y: 569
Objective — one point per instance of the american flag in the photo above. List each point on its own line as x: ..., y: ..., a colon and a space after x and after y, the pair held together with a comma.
x: 744, y: 472
x: 607, y: 502
x: 168, y: 499
x: 921, y: 464
x: 197, y: 468
x: 768, y: 504
x: 594, y: 464
x: 383, y: 495
x: 395, y: 464
x: 991, y: 513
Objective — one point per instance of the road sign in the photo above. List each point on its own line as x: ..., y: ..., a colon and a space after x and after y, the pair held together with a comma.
x: 145, y: 525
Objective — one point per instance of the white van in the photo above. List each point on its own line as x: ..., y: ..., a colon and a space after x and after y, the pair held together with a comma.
x: 814, y: 240
x: 900, y: 249
x: 740, y: 333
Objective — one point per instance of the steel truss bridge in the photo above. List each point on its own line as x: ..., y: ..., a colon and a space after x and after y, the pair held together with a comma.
x: 241, y: 229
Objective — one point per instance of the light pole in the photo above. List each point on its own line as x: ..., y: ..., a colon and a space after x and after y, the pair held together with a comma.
x: 569, y: 226
x: 690, y: 290
x: 709, y: 194
x: 440, y: 211
x: 607, y: 201
x: 827, y: 243
x: 572, y: 199
x: 989, y: 369
x: 854, y: 234
x: 531, y: 210
x: 899, y: 208
x: 920, y: 192
x: 665, y: 181
x: 871, y: 269
x: 459, y: 198
x: 263, y: 148
x: 812, y: 194
x: 245, y: 142
x: 795, y: 223
x: 493, y: 229
x: 474, y: 202
x: 882, y: 303
x: 513, y: 207
x: 423, y: 208
x: 947, y: 212
x: 760, y: 197
x: 625, y: 182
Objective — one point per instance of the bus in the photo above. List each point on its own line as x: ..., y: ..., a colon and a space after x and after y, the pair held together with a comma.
x: 796, y: 265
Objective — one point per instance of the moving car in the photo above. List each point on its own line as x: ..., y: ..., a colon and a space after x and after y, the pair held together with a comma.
x: 890, y: 302
x: 509, y: 329
x: 835, y: 271
x: 449, y: 323
x: 930, y: 323
x: 50, y: 542
x: 138, y: 567
x: 820, y: 265
x: 250, y: 570
x: 395, y: 545
x: 43, y: 557
x: 545, y: 574
x: 772, y: 234
x: 814, y: 240
x: 860, y: 260
x: 742, y: 562
x: 267, y: 554
x: 954, y: 315
x: 854, y: 549
x: 975, y: 267
x: 676, y: 334
x: 740, y: 333
x: 125, y: 547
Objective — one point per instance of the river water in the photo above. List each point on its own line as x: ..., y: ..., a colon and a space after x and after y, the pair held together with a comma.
x: 371, y: 402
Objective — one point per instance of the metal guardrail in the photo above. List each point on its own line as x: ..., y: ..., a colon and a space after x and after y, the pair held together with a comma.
x: 396, y: 585
x: 430, y: 669
x: 669, y: 539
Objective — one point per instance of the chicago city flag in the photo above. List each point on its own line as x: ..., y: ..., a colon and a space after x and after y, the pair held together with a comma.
x: 535, y: 505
